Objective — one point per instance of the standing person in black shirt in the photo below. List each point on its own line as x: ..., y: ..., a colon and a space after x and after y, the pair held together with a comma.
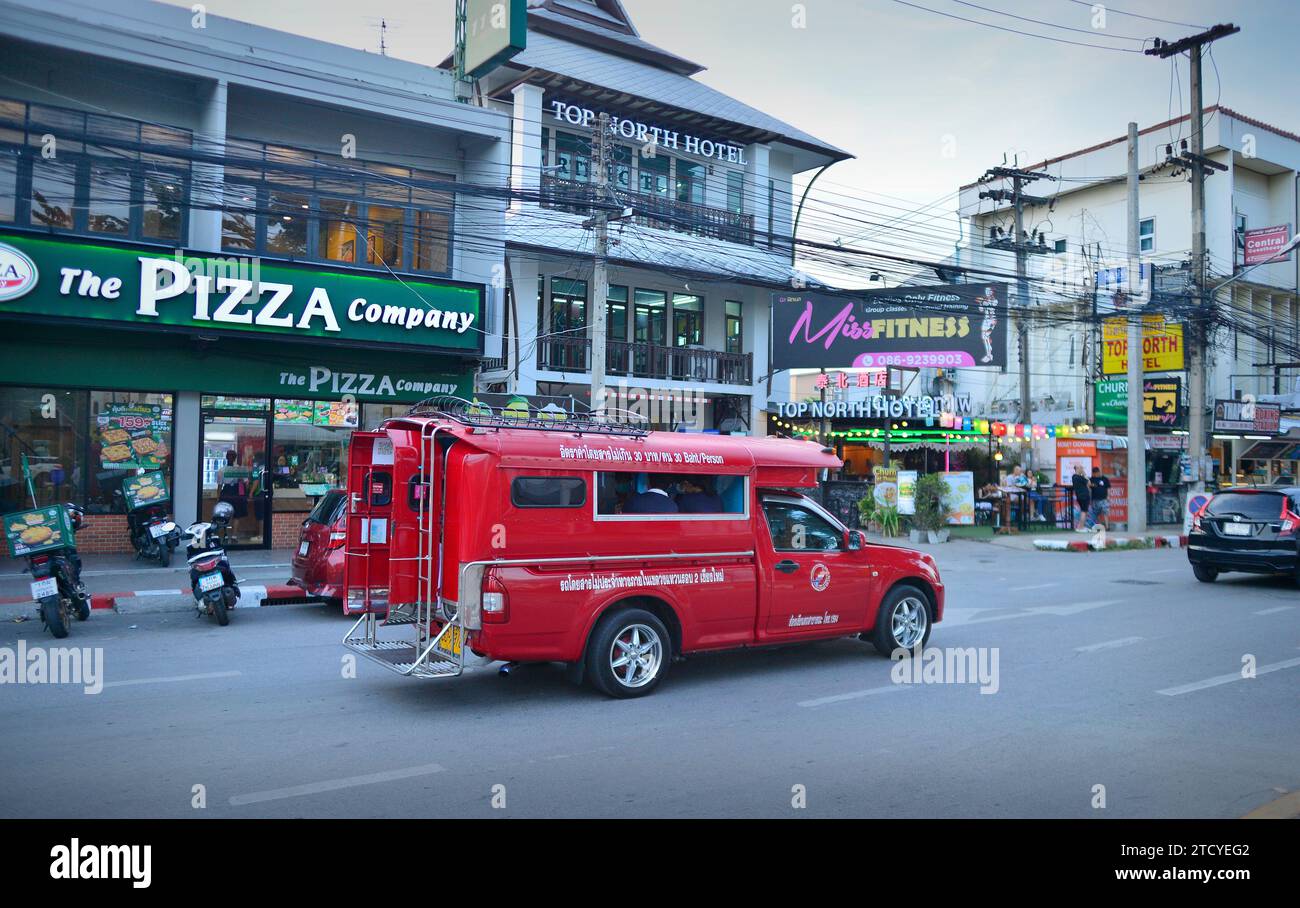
x: 1099, y: 488
x: 1082, y: 499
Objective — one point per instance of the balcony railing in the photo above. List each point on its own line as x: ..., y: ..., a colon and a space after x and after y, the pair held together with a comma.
x: 655, y: 211
x: 637, y: 360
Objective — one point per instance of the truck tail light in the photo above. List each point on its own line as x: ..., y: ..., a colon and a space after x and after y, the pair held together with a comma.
x: 496, y: 605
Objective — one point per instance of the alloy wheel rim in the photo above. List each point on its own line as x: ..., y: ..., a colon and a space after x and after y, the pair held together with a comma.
x: 635, y: 655
x: 908, y: 622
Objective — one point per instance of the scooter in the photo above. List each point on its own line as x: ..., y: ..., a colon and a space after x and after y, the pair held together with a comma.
x: 56, y: 583
x: 211, y: 579
x: 154, y: 535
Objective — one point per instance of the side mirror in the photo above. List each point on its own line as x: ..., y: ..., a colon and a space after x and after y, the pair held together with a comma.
x: 856, y: 540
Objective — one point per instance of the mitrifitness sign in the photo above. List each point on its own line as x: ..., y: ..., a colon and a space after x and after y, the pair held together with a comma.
x: 54, y: 278
x: 921, y: 327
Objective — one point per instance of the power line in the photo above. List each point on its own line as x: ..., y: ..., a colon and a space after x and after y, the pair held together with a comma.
x: 1004, y: 28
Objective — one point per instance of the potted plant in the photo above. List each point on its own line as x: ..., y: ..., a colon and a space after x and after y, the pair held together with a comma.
x: 930, y: 491
x: 867, y: 510
x: 887, y: 515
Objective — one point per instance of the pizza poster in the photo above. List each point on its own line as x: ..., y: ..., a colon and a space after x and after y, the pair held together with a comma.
x: 145, y: 489
x: 133, y: 436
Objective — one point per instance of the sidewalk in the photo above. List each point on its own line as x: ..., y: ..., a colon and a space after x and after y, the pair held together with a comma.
x: 1056, y: 540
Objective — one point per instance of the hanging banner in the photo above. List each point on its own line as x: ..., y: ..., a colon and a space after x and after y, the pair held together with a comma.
x: 940, y: 327
x: 1162, y: 345
x: 1263, y: 245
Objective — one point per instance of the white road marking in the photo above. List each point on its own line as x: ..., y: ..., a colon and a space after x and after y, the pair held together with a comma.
x: 1227, y: 679
x: 852, y: 695
x: 1109, y: 644
x: 1074, y: 609
x: 1272, y: 611
x: 374, y: 778
x: 961, y: 617
x: 168, y: 680
x: 1177, y: 570
x: 1036, y: 586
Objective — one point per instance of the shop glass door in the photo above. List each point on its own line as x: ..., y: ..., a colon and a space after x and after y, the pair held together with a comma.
x: 236, y: 434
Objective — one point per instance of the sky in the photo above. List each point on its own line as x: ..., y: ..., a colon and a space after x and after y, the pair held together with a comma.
x: 924, y: 101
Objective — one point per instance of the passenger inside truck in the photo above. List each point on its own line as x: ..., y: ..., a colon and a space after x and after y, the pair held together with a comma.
x: 625, y: 494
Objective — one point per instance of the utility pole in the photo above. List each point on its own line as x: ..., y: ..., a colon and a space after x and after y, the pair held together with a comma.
x: 1137, y: 455
x: 1021, y: 245
x: 602, y: 154
x: 1198, y: 164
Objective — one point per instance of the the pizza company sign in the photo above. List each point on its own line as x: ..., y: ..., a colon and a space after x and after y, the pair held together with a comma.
x: 119, y: 284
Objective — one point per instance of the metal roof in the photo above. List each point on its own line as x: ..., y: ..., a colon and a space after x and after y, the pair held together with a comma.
x: 640, y: 80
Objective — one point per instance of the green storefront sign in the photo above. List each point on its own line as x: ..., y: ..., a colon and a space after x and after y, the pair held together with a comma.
x: 53, y: 278
x: 1162, y: 402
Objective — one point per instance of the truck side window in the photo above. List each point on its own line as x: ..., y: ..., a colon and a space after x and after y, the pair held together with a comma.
x: 548, y: 492
x: 795, y: 528
x: 417, y: 490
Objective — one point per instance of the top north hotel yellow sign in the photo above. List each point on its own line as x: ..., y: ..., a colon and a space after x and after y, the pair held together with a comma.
x: 1162, y: 345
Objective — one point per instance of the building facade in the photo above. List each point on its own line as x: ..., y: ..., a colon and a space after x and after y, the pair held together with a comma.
x: 707, y: 184
x: 1077, y: 228
x: 223, y: 248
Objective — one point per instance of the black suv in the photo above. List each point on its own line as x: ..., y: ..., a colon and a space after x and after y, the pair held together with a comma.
x: 1248, y: 529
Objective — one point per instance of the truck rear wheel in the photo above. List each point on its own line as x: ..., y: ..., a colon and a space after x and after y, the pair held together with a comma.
x: 903, y: 621
x: 628, y: 653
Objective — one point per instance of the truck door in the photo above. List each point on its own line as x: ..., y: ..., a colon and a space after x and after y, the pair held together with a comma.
x: 813, y: 585
x: 369, y: 522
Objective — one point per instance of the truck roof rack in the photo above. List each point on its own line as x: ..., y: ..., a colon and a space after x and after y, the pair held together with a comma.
x: 483, y: 416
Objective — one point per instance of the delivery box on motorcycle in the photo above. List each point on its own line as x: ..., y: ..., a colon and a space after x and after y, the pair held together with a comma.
x: 38, y: 530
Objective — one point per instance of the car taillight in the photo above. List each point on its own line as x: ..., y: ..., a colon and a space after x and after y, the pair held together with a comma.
x: 1196, y: 518
x: 337, y: 539
x: 496, y: 605
x: 209, y: 565
x: 1290, y: 520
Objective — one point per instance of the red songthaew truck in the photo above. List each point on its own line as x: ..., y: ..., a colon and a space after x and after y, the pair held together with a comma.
x: 610, y: 548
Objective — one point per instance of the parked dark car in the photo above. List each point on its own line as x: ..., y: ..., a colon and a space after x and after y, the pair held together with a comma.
x: 1248, y: 529
x: 318, y: 561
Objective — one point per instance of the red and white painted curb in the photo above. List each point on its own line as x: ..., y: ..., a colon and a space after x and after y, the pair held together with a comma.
x: 1112, y: 542
x: 251, y: 595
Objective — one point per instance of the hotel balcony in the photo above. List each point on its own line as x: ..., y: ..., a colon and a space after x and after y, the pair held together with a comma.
x: 648, y: 361
x: 655, y: 211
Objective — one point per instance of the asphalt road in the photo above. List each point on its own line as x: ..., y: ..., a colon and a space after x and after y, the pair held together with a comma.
x: 1115, y: 669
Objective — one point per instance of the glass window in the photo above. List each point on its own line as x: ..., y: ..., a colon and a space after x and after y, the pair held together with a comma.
x: 13, y: 112
x: 796, y: 528
x: 53, y: 191
x: 650, y: 316
x: 432, y: 242
x: 50, y: 427
x: 688, y: 320
x: 735, y: 327
x: 286, y: 225
x: 8, y: 185
x: 1147, y: 234
x: 622, y: 169
x: 392, y: 184
x: 59, y: 122
x: 110, y: 200
x: 338, y: 230
x: 573, y: 157
x: 239, y: 219
x: 548, y: 492
x: 310, y: 454
x: 690, y: 182
x: 567, y: 347
x: 616, y: 316
x: 329, y: 508
x: 128, y: 431
x: 384, y: 236
x: 1251, y: 505
x: 654, y: 174
x: 164, y: 205
x: 678, y: 493
x: 292, y: 164
x: 735, y: 192
x: 427, y: 195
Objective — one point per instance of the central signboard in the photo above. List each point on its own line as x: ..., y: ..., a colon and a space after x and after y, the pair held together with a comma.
x: 941, y: 327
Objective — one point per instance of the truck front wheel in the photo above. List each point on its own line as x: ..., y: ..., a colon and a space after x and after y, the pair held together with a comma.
x: 628, y: 653
x: 903, y: 621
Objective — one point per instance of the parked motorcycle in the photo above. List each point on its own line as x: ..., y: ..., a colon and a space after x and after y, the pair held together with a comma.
x: 211, y: 579
x: 56, y: 582
x: 154, y: 535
